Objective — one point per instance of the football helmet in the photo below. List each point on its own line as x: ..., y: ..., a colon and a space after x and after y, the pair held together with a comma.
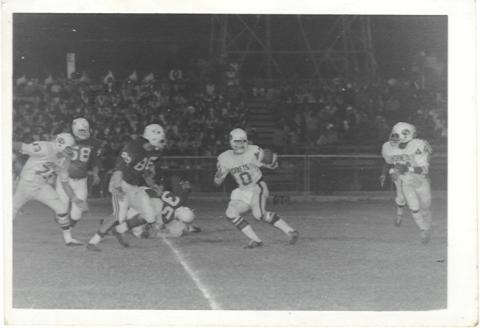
x: 62, y: 141
x: 184, y: 214
x: 238, y: 141
x: 81, y: 128
x: 155, y: 134
x: 402, y: 133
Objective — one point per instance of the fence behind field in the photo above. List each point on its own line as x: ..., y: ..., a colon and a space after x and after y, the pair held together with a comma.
x: 319, y: 174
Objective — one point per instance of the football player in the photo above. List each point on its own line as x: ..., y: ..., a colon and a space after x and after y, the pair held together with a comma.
x: 172, y: 215
x: 47, y: 160
x: 409, y: 162
x: 387, y: 169
x: 161, y: 189
x: 243, y: 162
x: 85, y: 154
x: 134, y: 165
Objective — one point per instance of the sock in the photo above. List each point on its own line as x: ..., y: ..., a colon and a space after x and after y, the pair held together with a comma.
x: 73, y: 222
x: 95, y: 239
x: 419, y: 220
x: 67, y: 235
x: 248, y: 231
x: 400, y: 210
x: 427, y: 218
x: 122, y: 227
x: 282, y: 225
x: 130, y: 224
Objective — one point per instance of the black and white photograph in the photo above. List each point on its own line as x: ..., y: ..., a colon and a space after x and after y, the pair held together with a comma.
x: 275, y: 163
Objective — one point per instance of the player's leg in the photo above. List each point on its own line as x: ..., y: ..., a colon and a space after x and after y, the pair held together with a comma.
x: 400, y: 202
x: 414, y: 205
x: 425, y: 198
x: 259, y: 203
x: 80, y: 187
x: 139, y: 200
x: 238, y: 205
x: 120, y: 207
x: 49, y: 196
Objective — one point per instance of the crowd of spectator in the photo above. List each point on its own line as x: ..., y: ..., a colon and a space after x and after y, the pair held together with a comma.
x: 196, y: 120
x: 307, y: 115
x: 312, y: 115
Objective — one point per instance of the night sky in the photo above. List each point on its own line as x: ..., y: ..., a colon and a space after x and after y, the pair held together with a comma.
x: 147, y: 42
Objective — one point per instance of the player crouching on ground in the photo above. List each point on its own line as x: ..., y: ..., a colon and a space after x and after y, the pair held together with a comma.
x: 85, y: 155
x: 173, y: 217
x: 47, y: 160
x: 243, y: 162
x: 408, y: 160
x: 137, y: 158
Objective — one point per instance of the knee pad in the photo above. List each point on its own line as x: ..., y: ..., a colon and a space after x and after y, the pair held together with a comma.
x: 400, y: 200
x: 238, y: 221
x: 63, y: 220
x: 270, y: 217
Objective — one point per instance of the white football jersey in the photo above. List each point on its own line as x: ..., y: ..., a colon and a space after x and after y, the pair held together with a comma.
x: 245, y: 168
x: 416, y: 153
x: 43, y: 163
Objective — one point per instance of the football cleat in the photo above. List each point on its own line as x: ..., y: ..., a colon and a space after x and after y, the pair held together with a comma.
x: 254, y: 244
x: 73, y: 242
x: 425, y: 236
x: 398, y: 221
x: 193, y: 229
x: 120, y: 238
x: 293, y: 237
x: 93, y: 248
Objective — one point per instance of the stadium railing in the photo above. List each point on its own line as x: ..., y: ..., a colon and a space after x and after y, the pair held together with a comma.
x: 323, y: 174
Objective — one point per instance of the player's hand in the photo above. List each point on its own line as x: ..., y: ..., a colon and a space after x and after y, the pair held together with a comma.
x: 401, y: 168
x: 80, y: 203
x: 382, y: 179
x: 95, y: 179
x: 68, y: 152
x: 158, y: 189
x: 275, y: 162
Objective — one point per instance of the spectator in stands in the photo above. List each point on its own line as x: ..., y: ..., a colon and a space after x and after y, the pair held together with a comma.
x: 328, y: 137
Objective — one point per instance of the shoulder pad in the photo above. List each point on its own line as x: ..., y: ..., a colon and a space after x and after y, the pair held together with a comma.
x: 223, y: 155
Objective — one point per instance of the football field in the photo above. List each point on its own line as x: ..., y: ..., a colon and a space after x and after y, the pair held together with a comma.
x: 349, y: 256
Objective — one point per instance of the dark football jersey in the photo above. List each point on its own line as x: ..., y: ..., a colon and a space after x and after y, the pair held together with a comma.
x: 134, y: 161
x: 171, y: 202
x: 85, y: 155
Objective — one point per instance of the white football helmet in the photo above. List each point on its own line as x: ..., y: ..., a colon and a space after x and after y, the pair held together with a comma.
x: 81, y: 128
x: 155, y: 134
x: 62, y: 141
x: 402, y: 133
x: 238, y: 141
x: 184, y: 214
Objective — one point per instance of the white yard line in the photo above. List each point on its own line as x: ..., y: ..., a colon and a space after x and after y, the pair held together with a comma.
x: 208, y: 296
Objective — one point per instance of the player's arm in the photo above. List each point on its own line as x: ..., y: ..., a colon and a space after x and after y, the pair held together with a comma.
x: 422, y: 159
x: 220, y: 175
x: 123, y: 162
x: 149, y: 176
x: 95, y: 164
x: 17, y: 146
x: 387, y: 169
x: 31, y: 149
x: 259, y: 154
x: 274, y: 163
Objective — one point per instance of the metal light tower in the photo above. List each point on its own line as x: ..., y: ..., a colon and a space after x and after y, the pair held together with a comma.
x: 304, y: 46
